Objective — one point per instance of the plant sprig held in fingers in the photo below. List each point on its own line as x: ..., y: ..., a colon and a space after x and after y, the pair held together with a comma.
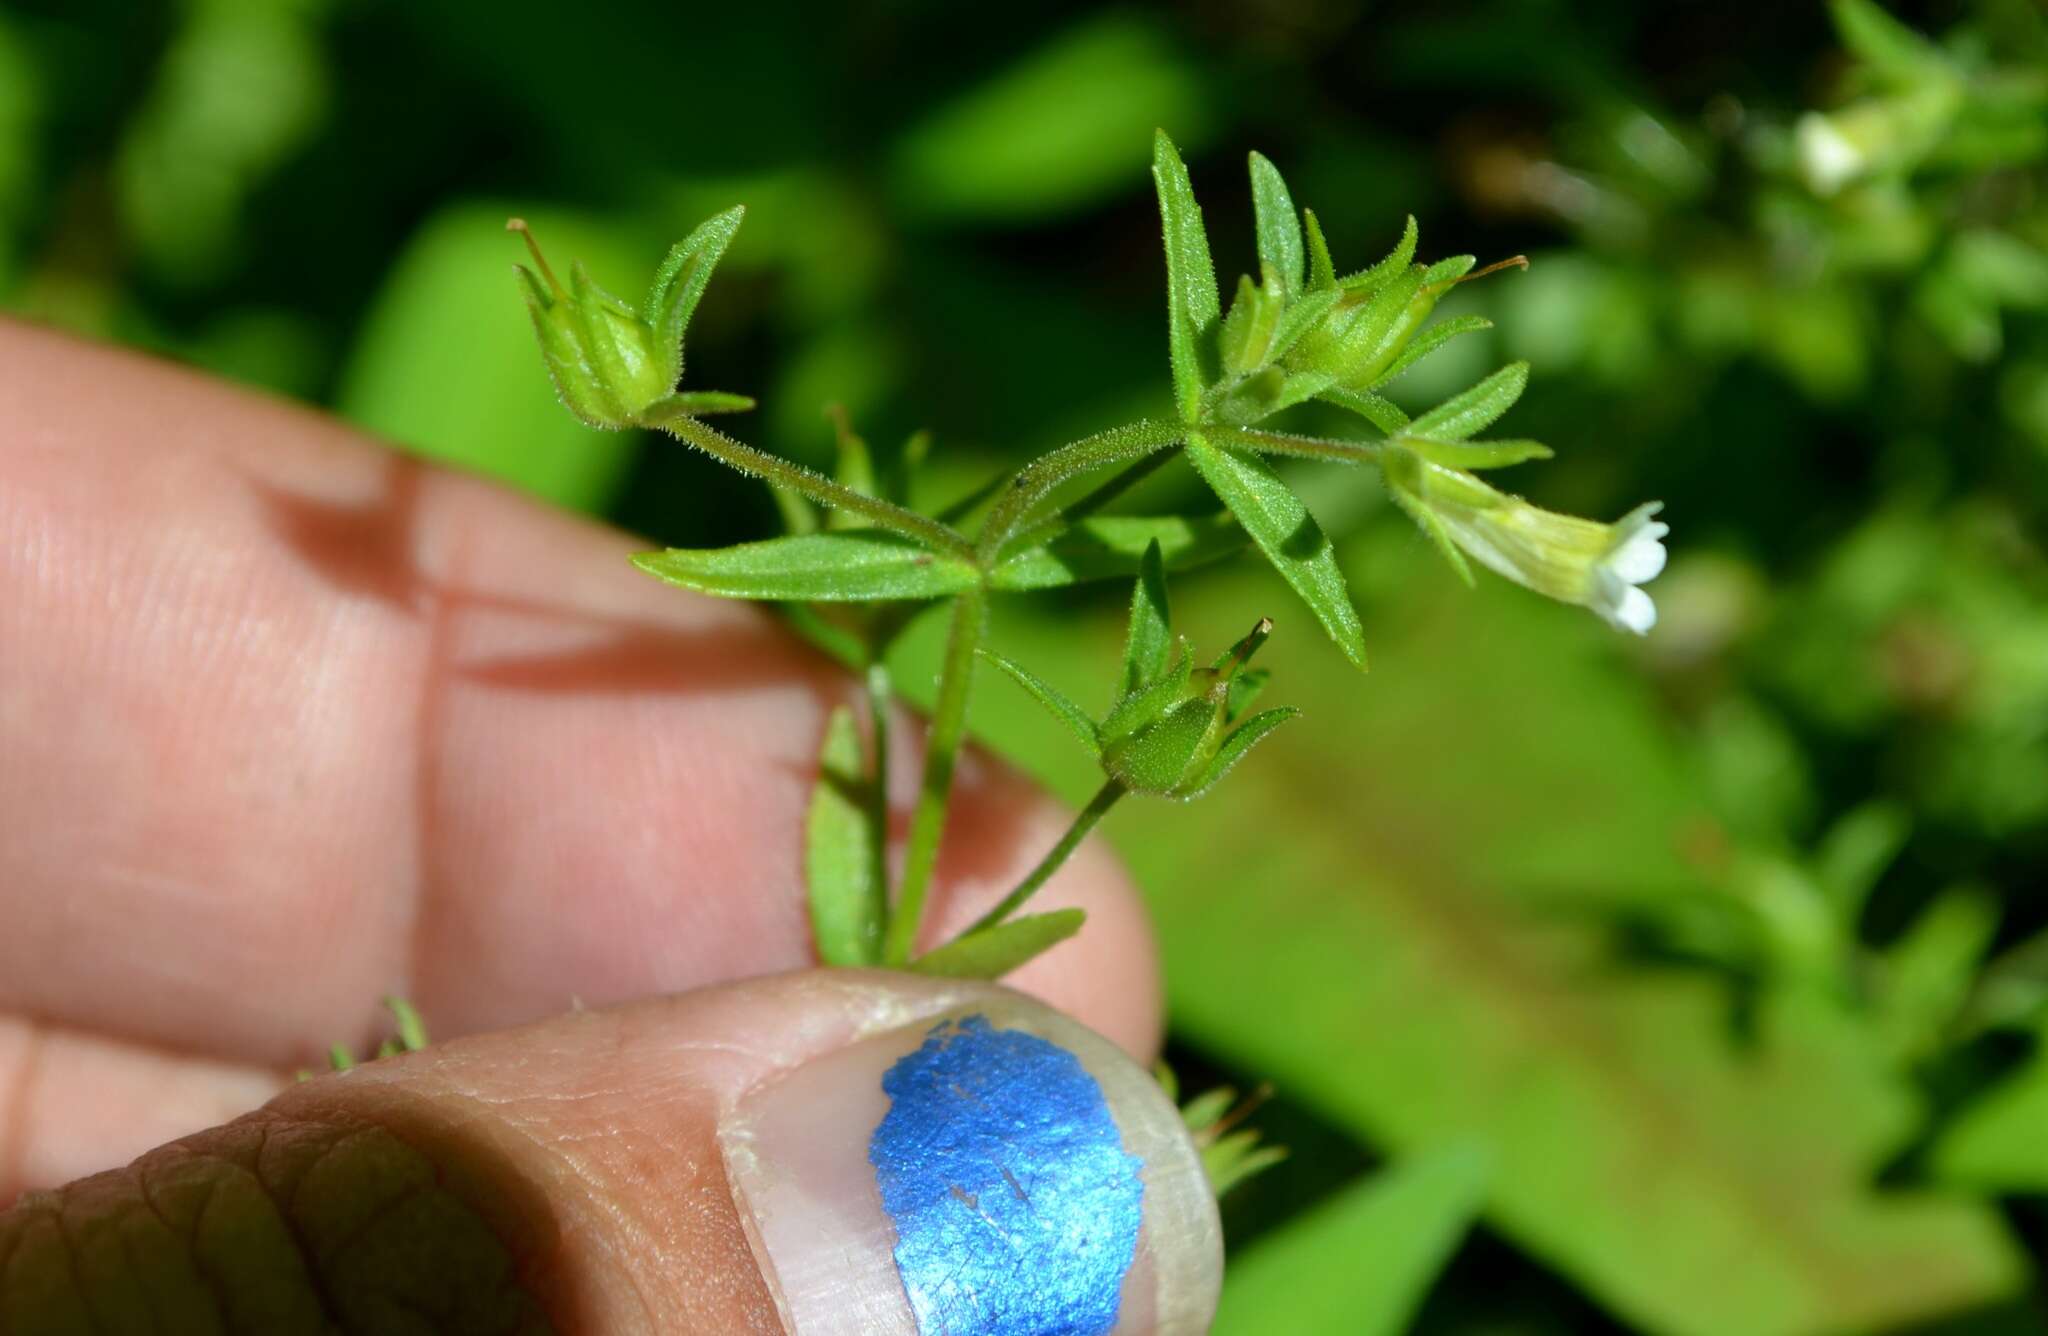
x: 858, y: 562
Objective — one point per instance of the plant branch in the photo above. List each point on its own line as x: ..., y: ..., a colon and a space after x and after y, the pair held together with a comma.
x: 942, y: 748
x: 1301, y: 447
x: 879, y: 693
x: 1036, y: 480
x: 815, y: 485
x: 1098, y: 807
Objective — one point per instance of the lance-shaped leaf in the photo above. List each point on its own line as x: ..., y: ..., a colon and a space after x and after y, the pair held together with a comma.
x: 850, y: 567
x: 1476, y: 409
x: 1052, y: 698
x: 1381, y: 412
x: 1322, y: 272
x: 842, y: 852
x: 1103, y: 547
x: 1429, y: 340
x: 1192, y: 304
x: 1476, y: 454
x: 995, y: 951
x: 1396, y: 261
x: 1239, y: 744
x: 1279, y: 226
x: 1289, y: 536
x: 1149, y: 640
x: 680, y: 282
x: 1304, y: 315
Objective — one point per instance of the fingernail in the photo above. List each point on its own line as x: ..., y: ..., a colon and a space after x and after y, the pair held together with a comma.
x: 997, y: 1170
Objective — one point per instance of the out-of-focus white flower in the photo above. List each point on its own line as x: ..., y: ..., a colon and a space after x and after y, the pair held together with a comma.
x: 1827, y: 158
x: 1598, y: 566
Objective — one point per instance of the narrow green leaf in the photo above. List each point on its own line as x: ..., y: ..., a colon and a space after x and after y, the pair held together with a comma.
x: 1103, y: 547
x: 1363, y: 1262
x: 853, y: 567
x: 1149, y: 639
x: 1141, y: 707
x: 1429, y: 340
x: 1052, y: 698
x: 1382, y: 413
x: 1476, y: 409
x: 704, y: 403
x: 839, y: 851
x: 1193, y: 306
x: 1322, y: 273
x: 1397, y: 260
x: 1236, y: 1157
x: 1289, y: 536
x: 994, y: 952
x: 1448, y: 270
x: 1476, y: 454
x: 854, y: 466
x: 1244, y: 689
x: 1239, y: 744
x: 1996, y: 1142
x: 1279, y: 226
x: 1202, y: 1112
x: 680, y: 282
x: 1427, y: 520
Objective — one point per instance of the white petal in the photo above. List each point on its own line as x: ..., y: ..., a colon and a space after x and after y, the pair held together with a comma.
x: 1640, y: 557
x: 1826, y: 155
x: 1636, y: 612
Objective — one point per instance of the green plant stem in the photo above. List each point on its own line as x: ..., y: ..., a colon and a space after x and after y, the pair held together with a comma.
x: 1301, y: 447
x: 1036, y: 480
x: 761, y: 464
x: 879, y: 695
x: 942, y: 747
x: 1098, y: 807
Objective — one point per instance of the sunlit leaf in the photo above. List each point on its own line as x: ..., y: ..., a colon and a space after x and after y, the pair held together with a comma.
x: 995, y: 951
x: 1476, y: 454
x: 1288, y: 535
x: 1476, y: 409
x: 1193, y: 306
x: 679, y: 285
x: 848, y: 567
x: 1279, y: 226
x: 1149, y: 637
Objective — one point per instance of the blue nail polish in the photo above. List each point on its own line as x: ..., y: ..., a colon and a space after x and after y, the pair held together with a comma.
x: 1015, y: 1205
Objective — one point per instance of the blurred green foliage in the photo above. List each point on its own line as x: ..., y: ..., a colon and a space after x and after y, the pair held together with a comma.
x: 1712, y: 969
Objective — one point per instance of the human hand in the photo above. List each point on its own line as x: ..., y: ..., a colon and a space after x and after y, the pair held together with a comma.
x: 288, y: 723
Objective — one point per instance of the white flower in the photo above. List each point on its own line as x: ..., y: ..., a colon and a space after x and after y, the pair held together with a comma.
x: 1573, y: 560
x: 1636, y: 557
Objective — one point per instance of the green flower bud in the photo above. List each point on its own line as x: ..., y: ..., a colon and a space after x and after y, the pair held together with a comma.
x: 598, y: 351
x: 1173, y: 737
x: 612, y: 364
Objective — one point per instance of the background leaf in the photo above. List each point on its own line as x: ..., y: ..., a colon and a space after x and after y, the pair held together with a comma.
x: 1361, y: 1262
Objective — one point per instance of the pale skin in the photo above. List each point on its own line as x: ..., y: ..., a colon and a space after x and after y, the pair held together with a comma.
x: 288, y: 722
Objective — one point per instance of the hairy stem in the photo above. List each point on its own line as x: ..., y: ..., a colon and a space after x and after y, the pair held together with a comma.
x: 761, y: 464
x: 942, y: 748
x: 1036, y: 480
x: 1098, y: 807
x: 1301, y: 447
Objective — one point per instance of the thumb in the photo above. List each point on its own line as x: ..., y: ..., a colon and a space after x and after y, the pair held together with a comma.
x: 821, y: 1152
